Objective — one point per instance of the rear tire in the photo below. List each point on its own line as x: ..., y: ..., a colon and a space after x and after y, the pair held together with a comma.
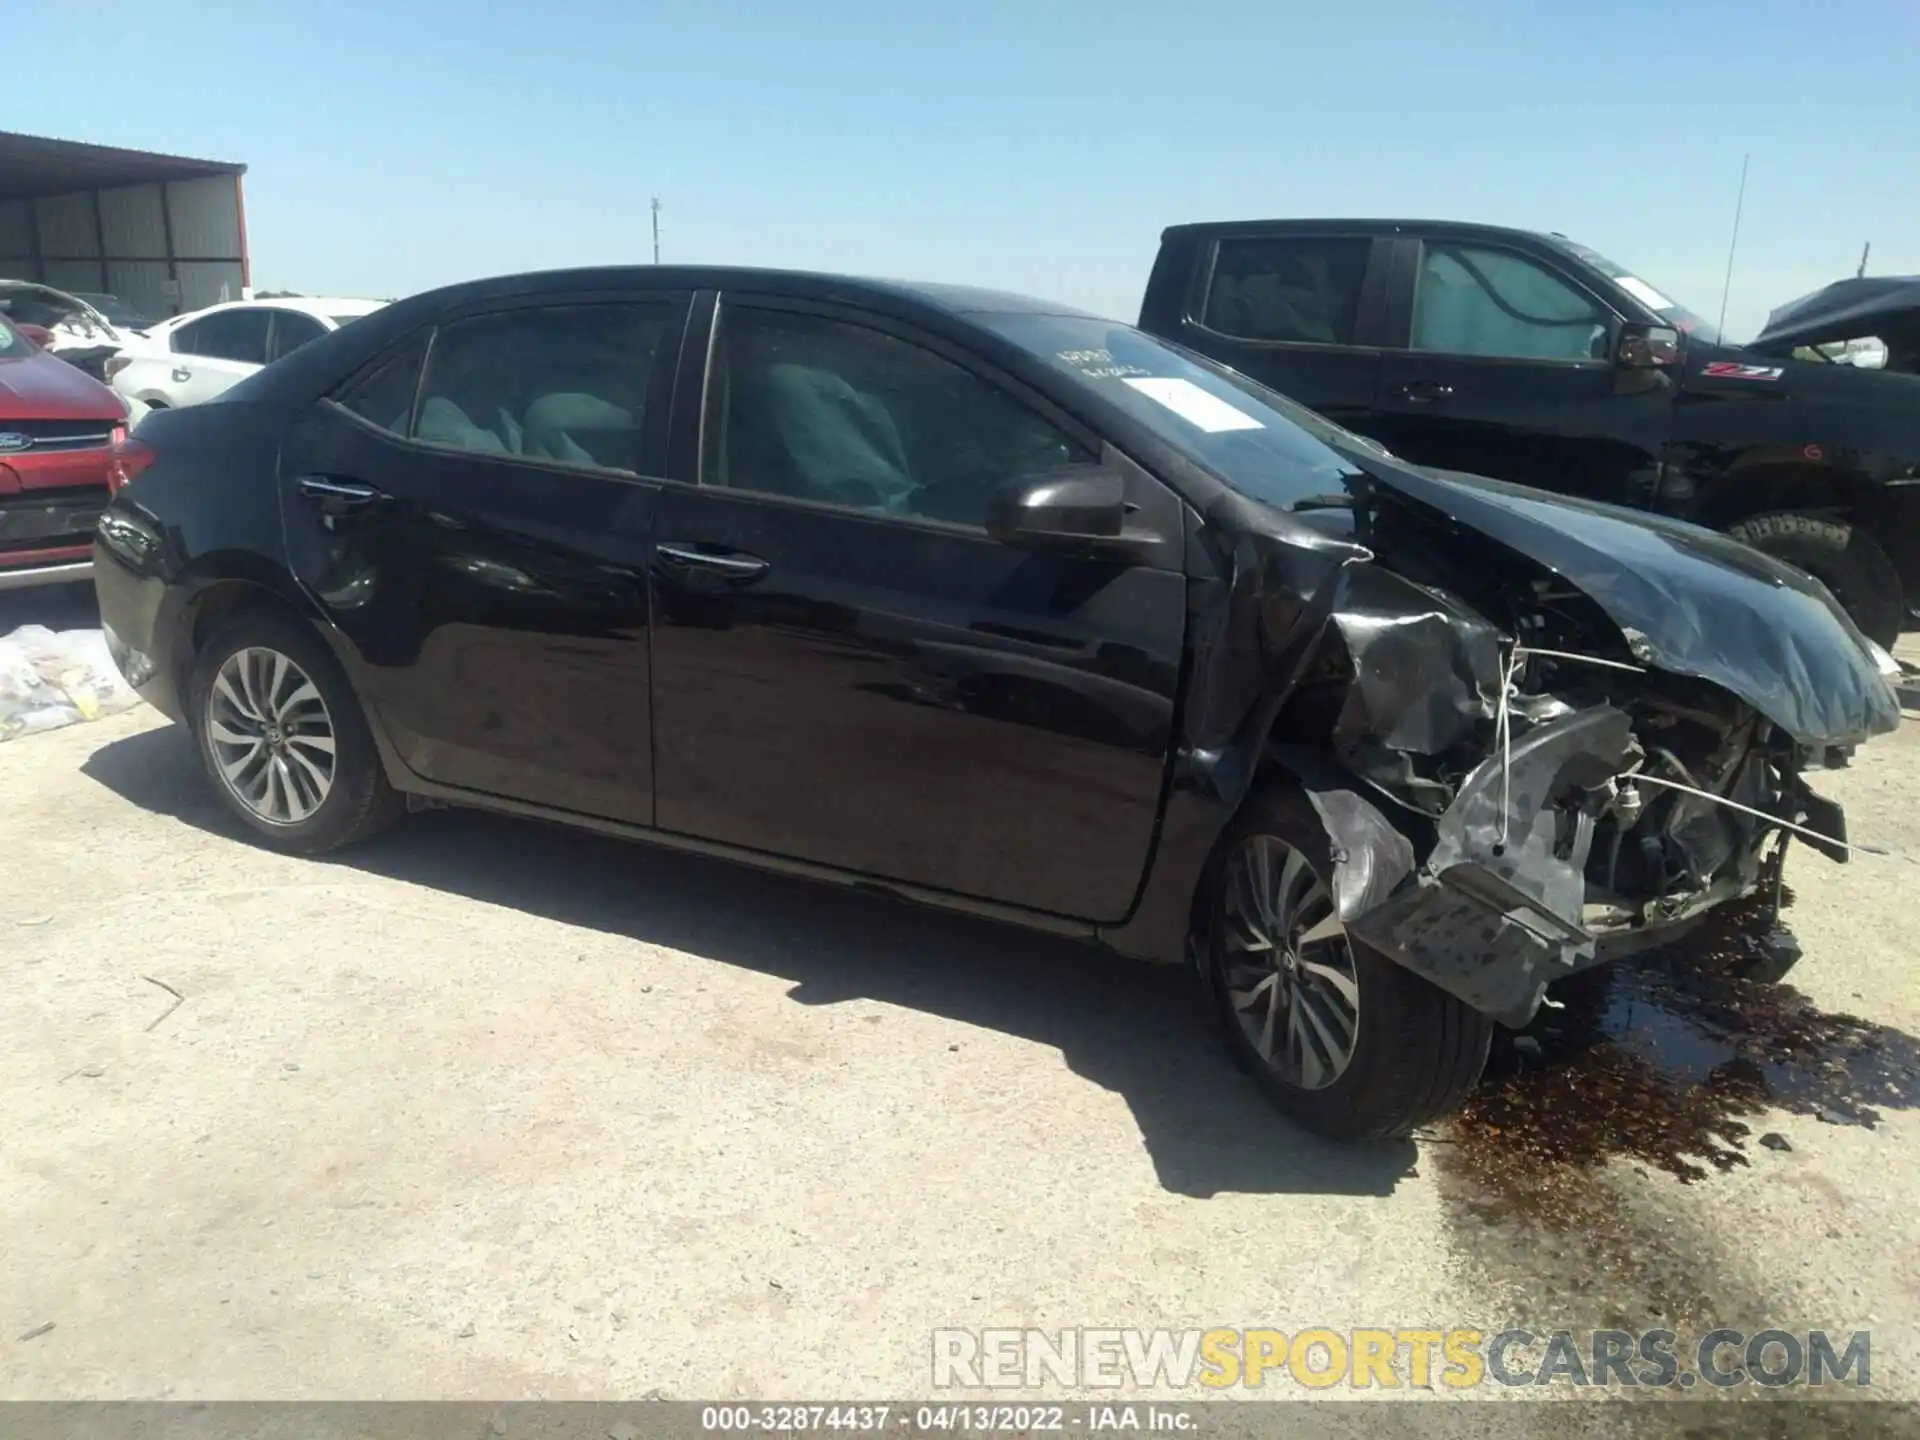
x: 1413, y: 1053
x: 283, y: 738
x: 1843, y: 557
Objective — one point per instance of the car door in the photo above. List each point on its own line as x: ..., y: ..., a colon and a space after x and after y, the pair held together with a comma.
x: 215, y: 353
x: 473, y: 514
x: 1509, y: 370
x: 848, y: 671
x: 1303, y: 314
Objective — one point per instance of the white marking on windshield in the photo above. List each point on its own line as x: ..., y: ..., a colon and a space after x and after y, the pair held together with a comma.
x: 1100, y: 364
x: 1194, y: 405
x: 1643, y: 292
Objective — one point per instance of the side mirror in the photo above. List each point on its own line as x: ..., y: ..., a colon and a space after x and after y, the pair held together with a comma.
x: 1648, y: 347
x: 1076, y: 507
x: 38, y: 334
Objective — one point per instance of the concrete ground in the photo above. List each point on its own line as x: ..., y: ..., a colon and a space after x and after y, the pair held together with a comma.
x: 487, y: 1109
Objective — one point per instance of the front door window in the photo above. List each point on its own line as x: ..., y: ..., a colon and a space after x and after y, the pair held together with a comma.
x: 823, y: 410
x: 1476, y: 300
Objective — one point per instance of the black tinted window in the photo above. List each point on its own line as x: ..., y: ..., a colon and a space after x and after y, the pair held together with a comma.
x: 227, y: 335
x: 1304, y: 288
x: 291, y: 330
x: 384, y: 394
x: 566, y: 383
x: 824, y: 410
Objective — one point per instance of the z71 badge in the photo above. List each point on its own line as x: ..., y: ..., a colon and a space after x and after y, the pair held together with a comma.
x: 1731, y: 370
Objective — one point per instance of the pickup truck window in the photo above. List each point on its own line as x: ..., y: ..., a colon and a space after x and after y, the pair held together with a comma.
x: 1474, y: 300
x: 1304, y: 289
x: 1260, y: 443
x: 1671, y: 311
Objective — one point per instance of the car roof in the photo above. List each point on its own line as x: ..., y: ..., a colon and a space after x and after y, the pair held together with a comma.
x: 950, y: 300
x: 955, y: 311
x: 1210, y: 229
x: 319, y: 305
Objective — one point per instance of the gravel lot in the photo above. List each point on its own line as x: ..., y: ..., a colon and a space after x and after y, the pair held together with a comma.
x: 488, y: 1109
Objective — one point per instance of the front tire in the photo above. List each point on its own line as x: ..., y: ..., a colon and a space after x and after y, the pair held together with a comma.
x: 283, y: 738
x: 1346, y: 1042
x: 1843, y: 557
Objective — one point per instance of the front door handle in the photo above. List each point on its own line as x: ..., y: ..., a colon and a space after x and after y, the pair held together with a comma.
x: 730, y: 565
x: 337, y: 495
x: 181, y: 374
x: 1422, y: 392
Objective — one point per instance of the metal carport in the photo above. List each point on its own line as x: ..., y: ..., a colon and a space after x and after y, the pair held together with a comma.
x: 165, y: 233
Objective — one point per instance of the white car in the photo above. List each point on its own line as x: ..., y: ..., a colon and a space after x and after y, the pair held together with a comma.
x: 194, y: 357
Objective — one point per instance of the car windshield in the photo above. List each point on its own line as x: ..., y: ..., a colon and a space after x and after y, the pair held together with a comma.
x: 1672, y: 311
x: 12, y: 342
x: 1260, y: 443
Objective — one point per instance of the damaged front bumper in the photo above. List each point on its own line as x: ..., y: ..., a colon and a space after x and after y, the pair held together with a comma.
x: 1504, y: 903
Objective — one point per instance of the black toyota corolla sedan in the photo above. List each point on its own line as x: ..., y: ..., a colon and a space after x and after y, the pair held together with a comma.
x: 997, y: 606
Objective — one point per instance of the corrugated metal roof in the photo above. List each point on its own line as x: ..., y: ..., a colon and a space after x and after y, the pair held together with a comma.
x: 36, y: 165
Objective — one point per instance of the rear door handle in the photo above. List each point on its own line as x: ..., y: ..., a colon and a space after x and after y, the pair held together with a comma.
x: 1422, y: 392
x: 726, y: 564
x: 337, y: 495
x: 181, y: 375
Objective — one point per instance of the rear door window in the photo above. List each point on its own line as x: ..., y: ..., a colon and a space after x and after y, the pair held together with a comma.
x: 239, y: 335
x: 1302, y: 289
x: 565, y: 384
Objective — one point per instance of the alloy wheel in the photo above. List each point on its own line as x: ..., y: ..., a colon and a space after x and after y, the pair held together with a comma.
x: 271, y: 737
x: 1288, y: 965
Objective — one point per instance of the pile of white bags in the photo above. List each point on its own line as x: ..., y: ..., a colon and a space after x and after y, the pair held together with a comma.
x: 50, y: 678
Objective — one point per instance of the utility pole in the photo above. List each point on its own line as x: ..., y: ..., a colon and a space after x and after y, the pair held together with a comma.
x: 656, y: 229
x: 1861, y: 273
x: 1738, y: 204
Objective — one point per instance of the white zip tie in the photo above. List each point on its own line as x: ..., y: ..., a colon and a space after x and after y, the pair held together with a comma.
x: 1503, y: 737
x: 1503, y: 733
x: 1584, y: 659
x: 1646, y: 779
x: 1503, y: 717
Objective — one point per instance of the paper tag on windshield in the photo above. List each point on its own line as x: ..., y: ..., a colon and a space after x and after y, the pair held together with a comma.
x: 1644, y: 293
x: 1194, y: 405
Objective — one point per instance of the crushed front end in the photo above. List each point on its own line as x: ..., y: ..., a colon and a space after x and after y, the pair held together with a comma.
x: 1528, y: 775
x: 1572, y: 842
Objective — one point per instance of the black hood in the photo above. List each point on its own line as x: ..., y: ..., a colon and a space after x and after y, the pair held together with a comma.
x: 1887, y: 306
x: 1689, y: 601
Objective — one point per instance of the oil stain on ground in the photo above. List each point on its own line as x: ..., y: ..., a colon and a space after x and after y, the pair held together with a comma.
x: 1666, y: 1061
x: 1665, y: 1058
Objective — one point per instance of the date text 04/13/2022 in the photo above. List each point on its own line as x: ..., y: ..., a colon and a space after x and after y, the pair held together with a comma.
x: 960, y: 1418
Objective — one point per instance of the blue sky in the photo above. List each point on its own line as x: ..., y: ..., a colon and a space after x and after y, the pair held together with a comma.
x: 1038, y: 146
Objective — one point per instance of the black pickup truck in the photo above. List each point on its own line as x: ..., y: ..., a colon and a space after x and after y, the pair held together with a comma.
x: 1530, y: 358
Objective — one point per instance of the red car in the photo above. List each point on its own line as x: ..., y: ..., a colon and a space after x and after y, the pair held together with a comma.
x: 64, y: 450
